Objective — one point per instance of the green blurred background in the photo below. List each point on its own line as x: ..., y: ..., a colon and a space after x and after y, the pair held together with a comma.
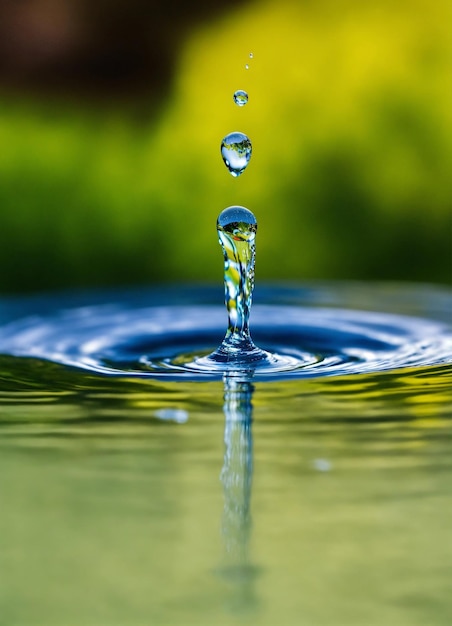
x: 112, y: 114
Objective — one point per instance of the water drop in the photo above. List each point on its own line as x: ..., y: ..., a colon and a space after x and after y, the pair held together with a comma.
x: 180, y: 416
x: 322, y: 465
x: 247, y: 67
x: 251, y: 55
x: 236, y: 152
x: 240, y: 97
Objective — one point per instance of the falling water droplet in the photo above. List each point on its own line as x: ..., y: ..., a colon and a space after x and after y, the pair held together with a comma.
x: 236, y: 152
x: 240, y: 97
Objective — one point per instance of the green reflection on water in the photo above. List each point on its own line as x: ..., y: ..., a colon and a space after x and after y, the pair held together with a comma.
x: 112, y: 516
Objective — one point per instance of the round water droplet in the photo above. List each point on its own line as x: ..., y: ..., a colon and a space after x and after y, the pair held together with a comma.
x: 322, y: 465
x: 236, y: 152
x: 251, y: 55
x: 238, y: 222
x: 240, y: 97
x: 247, y: 67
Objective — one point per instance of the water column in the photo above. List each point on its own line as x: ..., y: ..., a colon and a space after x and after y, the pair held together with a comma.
x: 237, y: 228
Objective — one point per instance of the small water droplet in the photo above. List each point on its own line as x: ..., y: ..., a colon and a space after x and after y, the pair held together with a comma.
x: 180, y: 416
x: 236, y: 152
x: 240, y: 97
x: 251, y: 55
x: 247, y: 67
x: 322, y: 465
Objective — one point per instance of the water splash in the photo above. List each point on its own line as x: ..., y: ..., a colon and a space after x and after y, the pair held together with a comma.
x: 310, y: 331
x: 237, y: 228
x: 236, y: 152
x: 240, y: 97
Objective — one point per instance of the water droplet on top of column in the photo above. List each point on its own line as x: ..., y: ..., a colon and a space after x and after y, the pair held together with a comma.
x: 237, y: 222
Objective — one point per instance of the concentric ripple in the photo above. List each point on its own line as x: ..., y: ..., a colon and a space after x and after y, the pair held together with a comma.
x: 146, y: 337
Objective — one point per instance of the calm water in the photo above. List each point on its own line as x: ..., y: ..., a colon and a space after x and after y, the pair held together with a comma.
x: 137, y: 489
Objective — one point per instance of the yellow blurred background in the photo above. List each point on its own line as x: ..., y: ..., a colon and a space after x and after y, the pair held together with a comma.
x: 111, y: 119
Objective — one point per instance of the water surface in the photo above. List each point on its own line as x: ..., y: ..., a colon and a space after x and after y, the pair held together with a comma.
x: 169, y: 497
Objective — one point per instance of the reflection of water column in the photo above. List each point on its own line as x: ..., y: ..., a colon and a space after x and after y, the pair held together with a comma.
x: 236, y: 477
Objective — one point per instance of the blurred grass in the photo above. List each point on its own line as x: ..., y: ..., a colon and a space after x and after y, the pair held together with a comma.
x: 351, y: 123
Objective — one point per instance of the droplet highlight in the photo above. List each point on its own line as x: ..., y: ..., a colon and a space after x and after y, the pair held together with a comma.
x: 240, y: 98
x: 251, y: 55
x: 236, y: 152
x: 247, y: 67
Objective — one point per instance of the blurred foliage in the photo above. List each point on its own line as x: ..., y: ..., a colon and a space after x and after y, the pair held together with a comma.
x: 120, y: 48
x: 350, y: 119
